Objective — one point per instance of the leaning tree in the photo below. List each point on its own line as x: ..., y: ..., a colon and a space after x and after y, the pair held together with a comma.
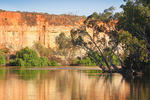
x: 131, y: 32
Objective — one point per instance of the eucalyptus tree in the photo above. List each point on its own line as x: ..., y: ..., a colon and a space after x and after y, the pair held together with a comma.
x: 136, y: 24
x: 132, y: 32
x: 65, y: 47
x: 136, y: 19
x: 80, y: 37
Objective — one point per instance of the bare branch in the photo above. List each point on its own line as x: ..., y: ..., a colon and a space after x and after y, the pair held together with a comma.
x: 94, y: 56
x: 100, y: 52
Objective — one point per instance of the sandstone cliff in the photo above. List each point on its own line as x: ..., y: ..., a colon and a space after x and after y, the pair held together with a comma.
x: 20, y: 29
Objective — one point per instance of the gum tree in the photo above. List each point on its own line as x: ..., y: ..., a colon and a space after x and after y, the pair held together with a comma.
x: 132, y: 32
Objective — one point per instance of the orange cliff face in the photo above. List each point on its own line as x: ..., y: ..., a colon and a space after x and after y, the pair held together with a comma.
x: 21, y: 29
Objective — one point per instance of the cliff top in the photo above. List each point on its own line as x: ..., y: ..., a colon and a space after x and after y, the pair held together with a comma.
x: 32, y: 19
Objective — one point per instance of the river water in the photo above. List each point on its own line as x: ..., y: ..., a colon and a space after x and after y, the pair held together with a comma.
x: 69, y: 84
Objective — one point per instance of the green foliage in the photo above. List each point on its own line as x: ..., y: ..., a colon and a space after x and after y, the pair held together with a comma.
x: 43, y: 61
x: 106, y: 16
x: 2, y: 73
x: 29, y: 57
x: 17, y: 62
x: 94, y: 16
x: 86, y: 62
x: 46, y: 52
x: 65, y: 48
x: 137, y: 18
x: 117, y: 15
x: 27, y: 54
x: 53, y: 63
x: 26, y: 74
x: 133, y: 48
x: 107, y: 53
x: 134, y: 35
x: 62, y: 41
x: 2, y: 60
x: 2, y: 70
x: 90, y: 61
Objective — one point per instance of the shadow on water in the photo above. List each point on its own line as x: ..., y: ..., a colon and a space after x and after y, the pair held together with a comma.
x: 29, y: 74
x: 2, y: 72
x: 137, y: 88
x: 71, y: 84
x: 21, y: 73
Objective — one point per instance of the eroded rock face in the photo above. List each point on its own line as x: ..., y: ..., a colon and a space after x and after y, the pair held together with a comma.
x: 21, y: 29
x: 18, y: 30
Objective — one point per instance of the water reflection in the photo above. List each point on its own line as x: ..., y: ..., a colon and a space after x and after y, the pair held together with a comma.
x: 70, y: 85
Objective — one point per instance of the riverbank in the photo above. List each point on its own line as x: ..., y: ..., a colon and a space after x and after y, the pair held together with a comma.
x: 68, y: 68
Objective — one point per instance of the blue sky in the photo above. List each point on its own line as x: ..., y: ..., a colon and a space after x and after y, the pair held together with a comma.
x: 79, y: 7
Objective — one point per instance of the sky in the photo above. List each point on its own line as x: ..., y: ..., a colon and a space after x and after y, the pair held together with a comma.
x: 76, y: 7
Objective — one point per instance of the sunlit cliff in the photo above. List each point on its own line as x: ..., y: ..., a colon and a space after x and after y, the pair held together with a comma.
x: 21, y: 29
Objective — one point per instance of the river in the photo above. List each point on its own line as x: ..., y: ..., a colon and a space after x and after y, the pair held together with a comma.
x: 69, y: 83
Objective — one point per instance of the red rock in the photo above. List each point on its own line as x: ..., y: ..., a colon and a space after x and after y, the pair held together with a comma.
x: 18, y: 30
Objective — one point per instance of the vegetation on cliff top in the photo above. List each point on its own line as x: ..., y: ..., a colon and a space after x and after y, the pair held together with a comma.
x: 30, y: 18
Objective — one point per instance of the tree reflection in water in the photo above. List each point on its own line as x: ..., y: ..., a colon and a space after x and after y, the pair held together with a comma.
x: 70, y: 85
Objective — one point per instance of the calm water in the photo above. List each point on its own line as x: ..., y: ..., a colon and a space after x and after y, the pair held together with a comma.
x: 70, y: 84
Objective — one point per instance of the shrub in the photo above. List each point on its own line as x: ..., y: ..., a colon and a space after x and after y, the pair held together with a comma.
x: 86, y: 62
x: 42, y: 51
x: 29, y: 57
x: 43, y: 61
x: 27, y: 53
x: 17, y: 62
x: 90, y: 61
x: 54, y: 63
x: 2, y: 60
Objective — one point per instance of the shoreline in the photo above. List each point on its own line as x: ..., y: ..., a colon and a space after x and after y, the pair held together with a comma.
x: 67, y: 68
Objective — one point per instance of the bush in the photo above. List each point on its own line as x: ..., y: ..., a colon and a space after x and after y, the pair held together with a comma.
x: 90, y: 61
x: 107, y: 53
x: 29, y: 57
x: 86, y: 62
x: 2, y: 60
x: 42, y: 51
x: 54, y: 63
x: 27, y: 54
x: 44, y: 61
x: 17, y: 62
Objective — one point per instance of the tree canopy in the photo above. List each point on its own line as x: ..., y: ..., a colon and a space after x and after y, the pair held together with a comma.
x: 136, y: 19
x: 131, y: 32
